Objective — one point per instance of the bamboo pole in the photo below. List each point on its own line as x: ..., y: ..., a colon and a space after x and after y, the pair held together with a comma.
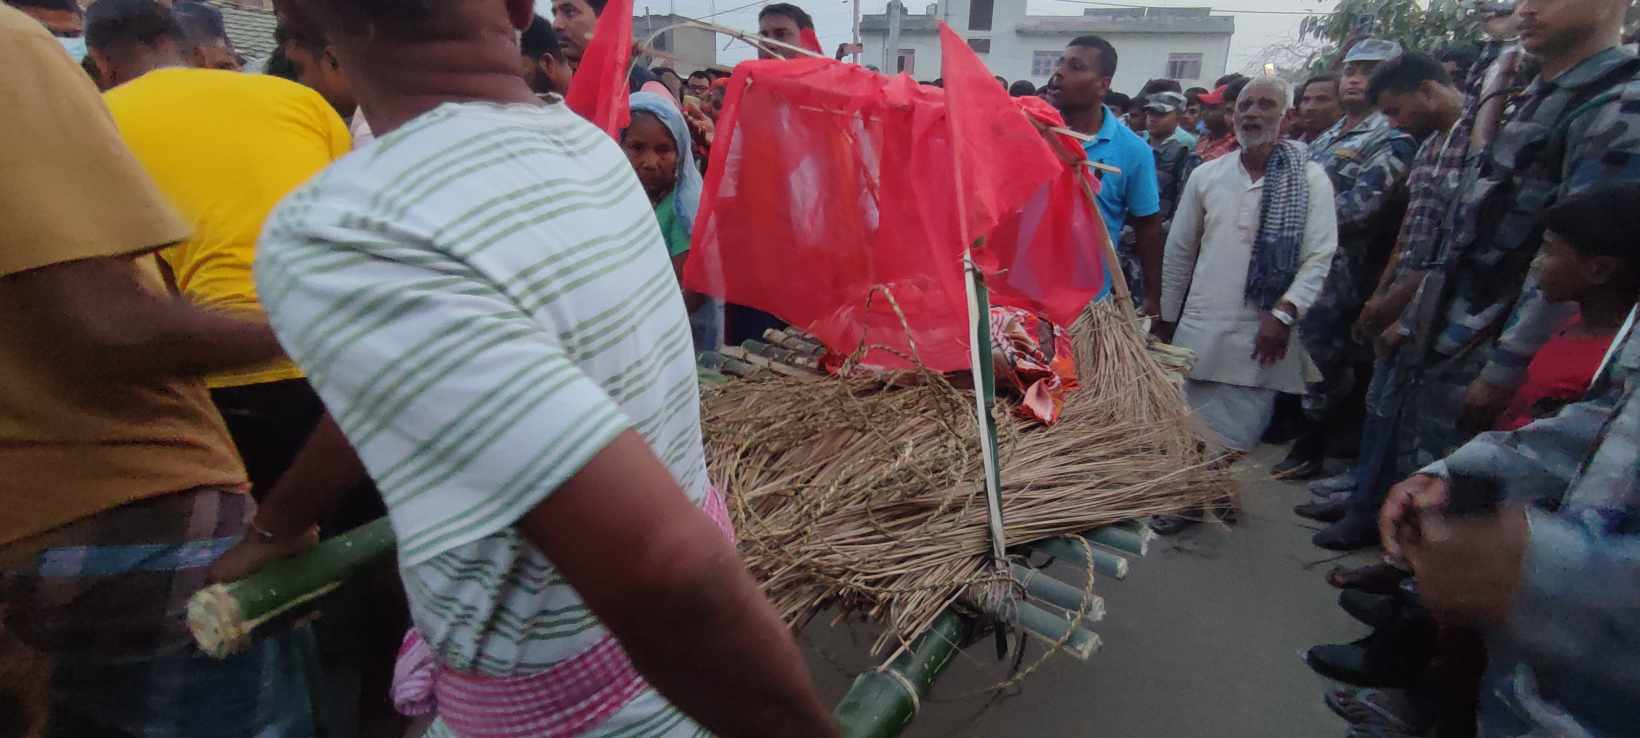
x: 882, y: 702
x: 1105, y: 563
x: 1057, y: 630
x: 1045, y: 588
x: 224, y: 617
x: 1122, y: 539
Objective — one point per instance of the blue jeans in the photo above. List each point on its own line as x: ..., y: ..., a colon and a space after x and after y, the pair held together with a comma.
x: 1377, y: 453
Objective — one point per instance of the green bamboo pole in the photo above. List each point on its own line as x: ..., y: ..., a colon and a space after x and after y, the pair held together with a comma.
x: 224, y: 617
x: 1122, y: 539
x: 882, y: 702
x: 1105, y: 563
x: 1057, y: 629
x: 1059, y: 594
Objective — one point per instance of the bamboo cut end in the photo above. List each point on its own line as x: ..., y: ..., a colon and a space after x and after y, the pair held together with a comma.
x: 218, y: 624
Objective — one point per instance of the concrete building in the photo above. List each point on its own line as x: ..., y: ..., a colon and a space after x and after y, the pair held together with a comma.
x: 1187, y: 44
x: 695, y: 49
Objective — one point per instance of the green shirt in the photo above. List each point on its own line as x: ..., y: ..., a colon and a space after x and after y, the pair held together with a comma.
x: 677, y: 237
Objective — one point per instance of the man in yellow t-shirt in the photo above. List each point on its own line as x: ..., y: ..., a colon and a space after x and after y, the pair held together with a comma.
x: 118, y: 482
x: 225, y: 148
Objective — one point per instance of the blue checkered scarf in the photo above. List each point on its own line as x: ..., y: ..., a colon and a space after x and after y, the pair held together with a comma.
x: 1283, y: 211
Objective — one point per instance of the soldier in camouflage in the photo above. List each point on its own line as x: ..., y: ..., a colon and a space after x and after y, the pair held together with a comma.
x: 1367, y: 160
x: 1162, y: 123
x: 1479, y: 319
x: 1548, y: 564
x: 1163, y: 111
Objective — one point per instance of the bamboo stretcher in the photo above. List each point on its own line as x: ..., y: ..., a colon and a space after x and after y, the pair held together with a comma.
x: 882, y: 702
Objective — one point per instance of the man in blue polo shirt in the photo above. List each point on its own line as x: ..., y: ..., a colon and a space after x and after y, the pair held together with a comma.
x: 1078, y: 88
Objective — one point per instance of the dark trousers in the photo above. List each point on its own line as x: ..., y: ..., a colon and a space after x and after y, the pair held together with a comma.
x: 1375, y: 460
x: 269, y: 423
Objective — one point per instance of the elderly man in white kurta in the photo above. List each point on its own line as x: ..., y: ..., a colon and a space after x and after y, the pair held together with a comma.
x: 1251, y: 245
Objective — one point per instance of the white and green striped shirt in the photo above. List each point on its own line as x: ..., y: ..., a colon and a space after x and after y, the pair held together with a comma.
x: 483, y: 299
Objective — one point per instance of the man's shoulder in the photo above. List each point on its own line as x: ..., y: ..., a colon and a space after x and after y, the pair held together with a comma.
x: 423, y: 172
x: 209, y: 90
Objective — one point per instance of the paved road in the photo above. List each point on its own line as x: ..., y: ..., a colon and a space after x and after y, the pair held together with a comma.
x: 1200, y: 641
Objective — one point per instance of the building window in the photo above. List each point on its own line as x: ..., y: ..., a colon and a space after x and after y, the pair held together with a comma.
x: 1043, y: 62
x: 979, y: 15
x: 1184, y: 66
x: 907, y: 62
x: 980, y: 45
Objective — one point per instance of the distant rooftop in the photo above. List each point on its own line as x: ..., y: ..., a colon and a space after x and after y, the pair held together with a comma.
x: 250, y: 24
x: 1092, y: 20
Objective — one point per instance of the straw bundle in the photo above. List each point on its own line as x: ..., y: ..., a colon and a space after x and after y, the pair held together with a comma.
x: 845, y: 491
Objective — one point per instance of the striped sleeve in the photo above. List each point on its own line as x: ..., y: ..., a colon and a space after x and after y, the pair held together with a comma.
x: 467, y: 412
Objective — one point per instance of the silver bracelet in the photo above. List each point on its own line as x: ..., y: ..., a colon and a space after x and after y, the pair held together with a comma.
x: 1285, y: 317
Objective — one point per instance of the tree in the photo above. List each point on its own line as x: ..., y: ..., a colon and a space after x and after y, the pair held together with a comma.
x: 1423, y: 25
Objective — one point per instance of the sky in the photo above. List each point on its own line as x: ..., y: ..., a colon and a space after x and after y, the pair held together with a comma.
x: 1254, y: 32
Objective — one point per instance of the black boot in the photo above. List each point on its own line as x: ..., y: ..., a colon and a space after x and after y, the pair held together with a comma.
x: 1304, y: 460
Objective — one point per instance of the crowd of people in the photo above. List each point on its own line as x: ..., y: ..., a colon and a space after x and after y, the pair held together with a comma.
x: 395, y: 274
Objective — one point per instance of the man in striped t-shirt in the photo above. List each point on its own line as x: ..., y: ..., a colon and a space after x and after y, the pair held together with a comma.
x: 483, y: 299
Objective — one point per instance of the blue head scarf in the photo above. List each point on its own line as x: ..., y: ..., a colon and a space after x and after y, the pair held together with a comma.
x: 686, y: 193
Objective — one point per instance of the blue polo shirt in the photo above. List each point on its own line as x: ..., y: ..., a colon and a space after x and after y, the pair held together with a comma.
x: 1133, y: 192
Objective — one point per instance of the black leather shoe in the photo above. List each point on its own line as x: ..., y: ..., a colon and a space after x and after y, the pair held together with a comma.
x: 1323, y: 512
x: 1296, y: 467
x: 1361, y: 664
x: 1348, y: 534
x: 1377, y: 611
x: 1304, y: 458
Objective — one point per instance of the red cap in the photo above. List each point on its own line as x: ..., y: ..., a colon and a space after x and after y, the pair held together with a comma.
x: 1215, y: 97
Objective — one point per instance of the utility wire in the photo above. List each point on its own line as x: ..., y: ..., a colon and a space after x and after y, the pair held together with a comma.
x: 1215, y: 10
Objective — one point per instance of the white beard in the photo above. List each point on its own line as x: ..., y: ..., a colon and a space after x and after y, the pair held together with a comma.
x: 1255, y: 140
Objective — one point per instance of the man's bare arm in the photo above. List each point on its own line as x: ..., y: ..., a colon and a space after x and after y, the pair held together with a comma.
x: 98, y: 317
x: 668, y: 584
x: 321, y: 476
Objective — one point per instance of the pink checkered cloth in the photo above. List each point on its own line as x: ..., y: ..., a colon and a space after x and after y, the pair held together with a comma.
x: 564, y: 701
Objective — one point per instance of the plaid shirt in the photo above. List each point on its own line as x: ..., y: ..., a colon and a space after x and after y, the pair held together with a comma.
x: 1568, y: 135
x: 1556, y: 665
x: 1436, y: 172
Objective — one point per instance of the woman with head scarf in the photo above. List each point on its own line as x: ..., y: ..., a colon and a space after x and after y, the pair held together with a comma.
x: 657, y: 143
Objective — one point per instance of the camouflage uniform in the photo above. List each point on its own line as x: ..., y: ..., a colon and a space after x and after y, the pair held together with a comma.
x: 1555, y: 666
x: 1171, y: 158
x: 1477, y: 314
x: 1368, y: 167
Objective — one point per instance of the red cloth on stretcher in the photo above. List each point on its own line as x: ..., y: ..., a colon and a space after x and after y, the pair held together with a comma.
x: 831, y: 186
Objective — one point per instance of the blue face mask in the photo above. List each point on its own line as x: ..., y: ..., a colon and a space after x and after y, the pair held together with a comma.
x: 74, y: 45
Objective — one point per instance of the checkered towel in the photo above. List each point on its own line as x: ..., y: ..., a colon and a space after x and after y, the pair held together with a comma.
x: 1283, y: 213
x: 567, y: 700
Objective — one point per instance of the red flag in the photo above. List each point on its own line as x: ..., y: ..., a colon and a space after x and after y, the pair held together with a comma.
x: 808, y: 40
x: 830, y: 183
x: 599, y: 90
x: 998, y: 157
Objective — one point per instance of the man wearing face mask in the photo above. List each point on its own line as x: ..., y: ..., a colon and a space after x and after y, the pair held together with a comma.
x: 1367, y: 159
x: 62, y: 18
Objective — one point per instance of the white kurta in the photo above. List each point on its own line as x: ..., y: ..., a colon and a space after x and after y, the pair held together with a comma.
x: 1204, y: 274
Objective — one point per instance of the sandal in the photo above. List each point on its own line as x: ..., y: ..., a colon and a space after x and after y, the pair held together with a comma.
x: 1375, y: 578
x: 1377, y: 708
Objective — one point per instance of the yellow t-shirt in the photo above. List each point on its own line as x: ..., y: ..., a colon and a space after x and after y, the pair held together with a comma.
x: 69, y: 191
x: 225, y: 148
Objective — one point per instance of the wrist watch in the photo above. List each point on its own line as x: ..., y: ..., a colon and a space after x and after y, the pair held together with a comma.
x: 1283, y: 316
